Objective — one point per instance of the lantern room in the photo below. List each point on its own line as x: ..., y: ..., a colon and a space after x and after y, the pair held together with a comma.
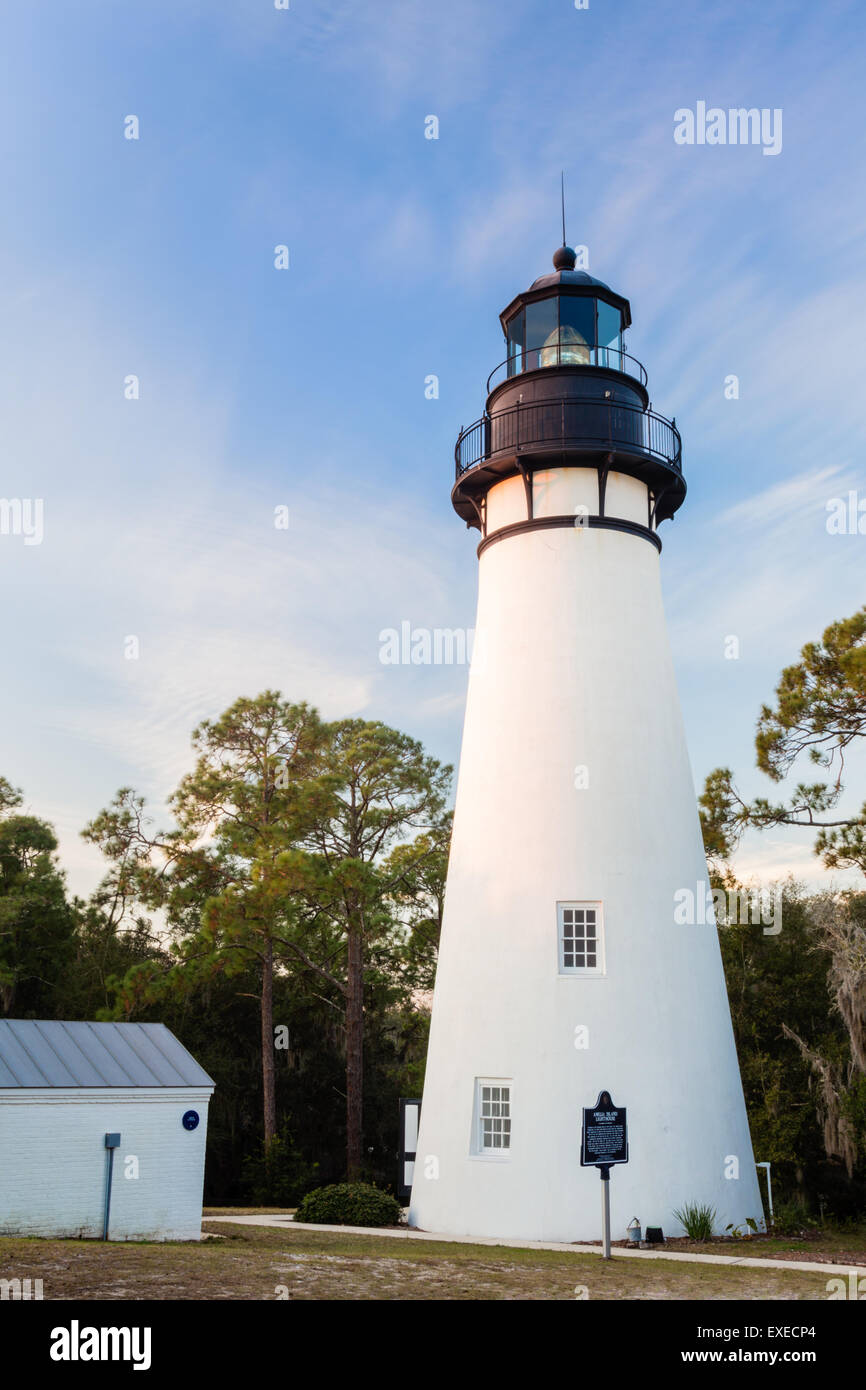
x: 566, y: 319
x: 569, y: 398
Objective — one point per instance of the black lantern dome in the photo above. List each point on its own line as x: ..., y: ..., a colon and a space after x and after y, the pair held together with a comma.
x: 568, y: 394
x: 565, y: 309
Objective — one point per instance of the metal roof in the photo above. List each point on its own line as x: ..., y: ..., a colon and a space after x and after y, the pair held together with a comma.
x: 570, y: 282
x: 35, y: 1052
x: 570, y: 277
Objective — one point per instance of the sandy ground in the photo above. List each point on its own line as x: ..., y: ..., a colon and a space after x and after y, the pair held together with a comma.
x: 263, y: 1263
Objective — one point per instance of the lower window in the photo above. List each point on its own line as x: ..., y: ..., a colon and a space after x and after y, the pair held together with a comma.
x: 493, y: 1117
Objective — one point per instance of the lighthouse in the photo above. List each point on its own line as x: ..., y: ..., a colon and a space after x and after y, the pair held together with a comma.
x: 565, y: 966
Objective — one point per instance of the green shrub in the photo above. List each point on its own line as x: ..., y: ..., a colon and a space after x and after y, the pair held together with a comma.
x: 791, y: 1219
x: 698, y: 1220
x: 349, y: 1204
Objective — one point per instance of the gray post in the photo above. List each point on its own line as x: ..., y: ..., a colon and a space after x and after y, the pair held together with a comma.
x: 770, y: 1195
x: 112, y: 1142
x: 604, y: 1174
x: 107, y: 1195
x: 766, y: 1167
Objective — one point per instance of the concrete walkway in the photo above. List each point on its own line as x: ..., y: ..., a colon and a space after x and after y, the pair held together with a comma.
x: 800, y: 1266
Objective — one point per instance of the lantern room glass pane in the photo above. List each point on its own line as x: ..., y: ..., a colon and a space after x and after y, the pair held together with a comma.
x: 576, y: 330
x: 515, y: 344
x: 542, y: 330
x: 609, y: 335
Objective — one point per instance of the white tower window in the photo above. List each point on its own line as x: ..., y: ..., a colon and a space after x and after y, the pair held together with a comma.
x: 581, y: 939
x: 493, y: 1117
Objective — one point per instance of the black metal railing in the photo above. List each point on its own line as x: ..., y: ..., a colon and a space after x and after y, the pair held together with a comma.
x: 569, y: 422
x: 567, y: 355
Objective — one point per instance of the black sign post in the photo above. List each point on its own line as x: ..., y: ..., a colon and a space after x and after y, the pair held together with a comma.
x: 604, y: 1143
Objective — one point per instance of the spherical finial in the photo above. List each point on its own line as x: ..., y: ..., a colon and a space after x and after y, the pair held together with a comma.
x: 564, y: 258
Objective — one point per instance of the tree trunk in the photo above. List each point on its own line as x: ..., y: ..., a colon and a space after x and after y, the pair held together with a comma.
x: 354, y: 1054
x: 270, y: 1103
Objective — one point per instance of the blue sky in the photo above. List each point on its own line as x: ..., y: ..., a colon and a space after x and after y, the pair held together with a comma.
x: 305, y: 387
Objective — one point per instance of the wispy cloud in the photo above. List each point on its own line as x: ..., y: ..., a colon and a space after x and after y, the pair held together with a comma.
x: 307, y: 125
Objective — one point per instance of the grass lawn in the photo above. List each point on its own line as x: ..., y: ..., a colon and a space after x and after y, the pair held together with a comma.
x: 254, y: 1262
x: 829, y: 1247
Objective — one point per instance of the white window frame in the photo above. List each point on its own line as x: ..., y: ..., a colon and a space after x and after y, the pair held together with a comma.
x: 580, y: 970
x: 497, y: 1153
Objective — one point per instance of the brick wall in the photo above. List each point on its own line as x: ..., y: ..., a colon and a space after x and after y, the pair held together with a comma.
x: 53, y: 1162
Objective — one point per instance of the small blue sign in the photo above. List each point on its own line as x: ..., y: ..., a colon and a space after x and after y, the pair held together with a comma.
x: 190, y: 1119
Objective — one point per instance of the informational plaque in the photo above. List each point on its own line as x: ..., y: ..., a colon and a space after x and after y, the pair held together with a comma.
x: 605, y: 1134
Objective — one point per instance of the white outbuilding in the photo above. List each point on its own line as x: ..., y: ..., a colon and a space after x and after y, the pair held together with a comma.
x: 102, y: 1126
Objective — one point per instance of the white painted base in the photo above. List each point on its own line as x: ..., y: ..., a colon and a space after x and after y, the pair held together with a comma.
x: 573, y: 668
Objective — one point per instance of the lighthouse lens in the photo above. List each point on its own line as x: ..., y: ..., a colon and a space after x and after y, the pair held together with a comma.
x: 564, y: 330
x: 573, y: 348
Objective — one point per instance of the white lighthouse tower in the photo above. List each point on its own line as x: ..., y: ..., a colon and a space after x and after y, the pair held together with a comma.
x: 563, y: 969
